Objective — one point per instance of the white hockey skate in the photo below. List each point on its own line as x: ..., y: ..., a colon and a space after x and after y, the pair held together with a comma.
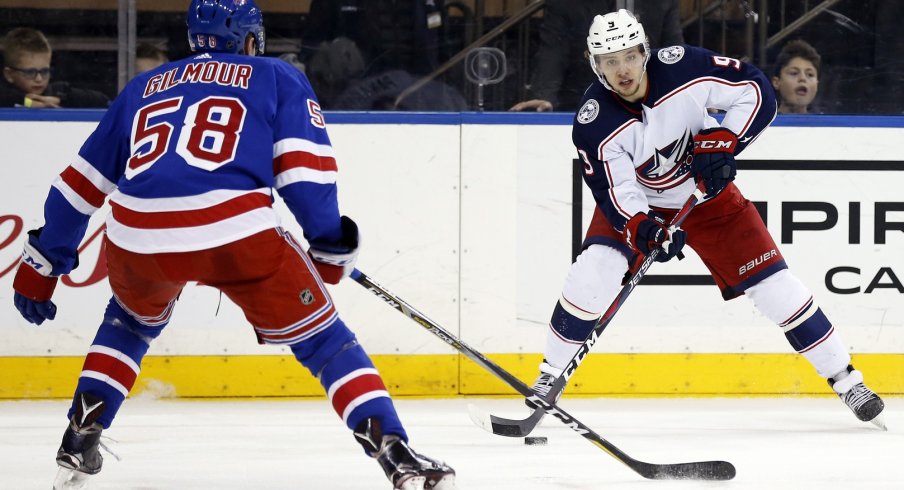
x: 406, y: 469
x: 543, y: 384
x: 865, y: 403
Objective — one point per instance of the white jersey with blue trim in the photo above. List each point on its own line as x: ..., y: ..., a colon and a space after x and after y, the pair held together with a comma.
x: 189, y: 154
x: 638, y: 155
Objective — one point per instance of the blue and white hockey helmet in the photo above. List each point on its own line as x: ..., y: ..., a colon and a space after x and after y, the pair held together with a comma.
x: 223, y: 25
x: 615, y: 31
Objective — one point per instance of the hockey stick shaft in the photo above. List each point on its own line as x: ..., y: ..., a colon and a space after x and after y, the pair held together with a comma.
x: 522, y: 427
x: 702, y: 470
x: 620, y: 299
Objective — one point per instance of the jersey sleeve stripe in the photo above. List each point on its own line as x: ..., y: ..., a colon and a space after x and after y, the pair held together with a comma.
x: 304, y: 175
x: 83, y: 187
x: 612, y: 196
x: 751, y: 114
x: 607, y: 168
x: 295, y: 159
x: 289, y: 145
x: 73, y: 198
x: 188, y: 218
x: 93, y: 175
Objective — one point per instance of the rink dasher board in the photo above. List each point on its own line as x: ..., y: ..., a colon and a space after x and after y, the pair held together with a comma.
x: 472, y: 223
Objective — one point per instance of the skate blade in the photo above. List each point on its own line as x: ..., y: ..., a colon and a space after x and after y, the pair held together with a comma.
x: 447, y: 482
x: 879, y: 421
x: 69, y: 479
x: 413, y: 483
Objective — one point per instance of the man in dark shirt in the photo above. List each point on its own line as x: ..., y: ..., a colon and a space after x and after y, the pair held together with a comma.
x: 27, y: 72
x: 346, y: 41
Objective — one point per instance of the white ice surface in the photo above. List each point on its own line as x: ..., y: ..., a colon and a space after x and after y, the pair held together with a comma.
x: 794, y: 443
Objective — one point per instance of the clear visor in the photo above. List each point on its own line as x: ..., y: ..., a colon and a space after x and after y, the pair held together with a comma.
x: 628, y: 59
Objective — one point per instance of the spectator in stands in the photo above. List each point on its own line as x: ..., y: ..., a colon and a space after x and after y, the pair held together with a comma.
x: 148, y: 56
x: 27, y: 72
x: 345, y: 42
x: 560, y: 75
x: 796, y: 77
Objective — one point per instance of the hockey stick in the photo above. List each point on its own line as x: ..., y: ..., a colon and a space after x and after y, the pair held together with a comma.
x: 701, y: 470
x: 521, y: 427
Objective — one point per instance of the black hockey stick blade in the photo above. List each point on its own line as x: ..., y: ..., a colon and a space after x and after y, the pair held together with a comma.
x: 502, y: 426
x: 703, y: 470
x: 698, y: 470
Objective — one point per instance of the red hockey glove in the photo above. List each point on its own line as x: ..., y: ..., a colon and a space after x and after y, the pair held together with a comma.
x: 33, y: 283
x: 714, y: 162
x: 645, y: 234
x: 335, y: 261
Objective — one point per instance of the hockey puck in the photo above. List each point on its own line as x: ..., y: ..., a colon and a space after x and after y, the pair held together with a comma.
x: 536, y: 441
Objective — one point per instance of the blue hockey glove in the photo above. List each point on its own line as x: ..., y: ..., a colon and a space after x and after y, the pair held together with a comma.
x: 335, y: 261
x: 645, y: 233
x: 33, y: 283
x: 714, y: 162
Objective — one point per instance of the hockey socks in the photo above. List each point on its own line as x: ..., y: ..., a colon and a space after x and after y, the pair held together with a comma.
x: 114, y: 360
x: 783, y: 299
x: 593, y: 282
x: 351, y: 381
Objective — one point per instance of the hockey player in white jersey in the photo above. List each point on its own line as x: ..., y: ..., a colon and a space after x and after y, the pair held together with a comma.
x: 646, y: 138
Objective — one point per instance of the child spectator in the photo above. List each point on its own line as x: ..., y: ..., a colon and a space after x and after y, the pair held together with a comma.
x: 796, y: 77
x: 27, y: 72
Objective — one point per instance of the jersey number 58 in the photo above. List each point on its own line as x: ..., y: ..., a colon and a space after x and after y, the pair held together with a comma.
x: 208, y: 137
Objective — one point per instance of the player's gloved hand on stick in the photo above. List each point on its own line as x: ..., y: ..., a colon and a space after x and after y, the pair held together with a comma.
x: 335, y: 261
x: 33, y: 283
x: 714, y: 162
x: 645, y: 233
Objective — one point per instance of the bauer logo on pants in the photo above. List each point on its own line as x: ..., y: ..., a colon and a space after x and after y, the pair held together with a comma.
x: 306, y: 297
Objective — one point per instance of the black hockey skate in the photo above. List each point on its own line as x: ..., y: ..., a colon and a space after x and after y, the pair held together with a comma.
x: 865, y: 403
x: 79, y: 456
x: 406, y: 469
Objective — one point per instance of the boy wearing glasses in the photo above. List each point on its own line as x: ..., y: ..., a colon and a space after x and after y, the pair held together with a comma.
x: 27, y: 72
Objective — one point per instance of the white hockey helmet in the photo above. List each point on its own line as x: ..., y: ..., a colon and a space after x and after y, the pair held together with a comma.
x: 615, y: 31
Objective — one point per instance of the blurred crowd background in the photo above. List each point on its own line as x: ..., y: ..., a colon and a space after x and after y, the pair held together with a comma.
x: 465, y: 55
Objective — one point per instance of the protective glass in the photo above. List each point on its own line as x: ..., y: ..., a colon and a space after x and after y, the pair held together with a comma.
x: 32, y: 73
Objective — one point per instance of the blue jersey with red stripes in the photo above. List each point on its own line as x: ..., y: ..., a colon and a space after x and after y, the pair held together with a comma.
x: 189, y: 155
x: 638, y: 155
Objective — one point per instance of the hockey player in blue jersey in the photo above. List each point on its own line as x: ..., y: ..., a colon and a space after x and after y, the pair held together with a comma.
x: 647, y: 139
x: 194, y: 149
